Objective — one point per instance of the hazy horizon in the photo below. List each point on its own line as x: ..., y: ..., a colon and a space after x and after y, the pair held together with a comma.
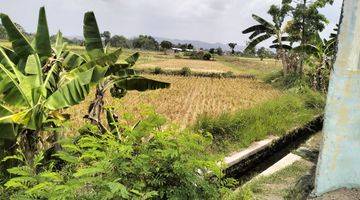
x: 211, y: 21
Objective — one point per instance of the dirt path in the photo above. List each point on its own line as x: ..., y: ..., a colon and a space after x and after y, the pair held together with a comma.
x: 342, y: 194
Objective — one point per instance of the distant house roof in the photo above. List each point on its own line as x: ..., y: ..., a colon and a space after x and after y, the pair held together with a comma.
x: 176, y: 49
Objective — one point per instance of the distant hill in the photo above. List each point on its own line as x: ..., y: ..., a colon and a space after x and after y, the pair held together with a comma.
x: 200, y: 44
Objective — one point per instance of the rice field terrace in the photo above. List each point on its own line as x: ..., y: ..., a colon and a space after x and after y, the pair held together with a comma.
x: 187, y: 98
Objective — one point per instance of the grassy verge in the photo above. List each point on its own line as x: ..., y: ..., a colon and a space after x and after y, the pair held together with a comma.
x: 276, y: 186
x: 233, y: 131
x: 254, y: 66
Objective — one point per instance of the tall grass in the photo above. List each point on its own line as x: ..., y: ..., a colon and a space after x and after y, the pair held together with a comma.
x: 232, y: 131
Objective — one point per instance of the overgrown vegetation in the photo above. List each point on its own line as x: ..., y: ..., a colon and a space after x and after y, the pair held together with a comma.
x: 109, y: 160
x: 112, y: 157
x: 232, y: 131
x: 303, y: 27
x: 131, y: 162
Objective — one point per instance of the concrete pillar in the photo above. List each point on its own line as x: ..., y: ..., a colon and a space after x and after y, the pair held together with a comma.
x: 339, y: 161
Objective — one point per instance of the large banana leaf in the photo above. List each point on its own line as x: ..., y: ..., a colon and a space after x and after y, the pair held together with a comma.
x: 132, y: 59
x: 106, y: 59
x: 93, y: 43
x: 263, y: 22
x: 42, y: 38
x: 284, y: 46
x: 254, y: 28
x: 7, y: 127
x: 19, y: 42
x: 5, y: 60
x: 11, y: 76
x: 11, y: 54
x: 257, y: 40
x: 72, y: 60
x: 256, y: 33
x: 72, y: 92
x: 60, y: 45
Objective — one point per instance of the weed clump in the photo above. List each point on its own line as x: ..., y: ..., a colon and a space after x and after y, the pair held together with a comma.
x: 274, y: 117
x: 158, y: 70
x: 185, y: 71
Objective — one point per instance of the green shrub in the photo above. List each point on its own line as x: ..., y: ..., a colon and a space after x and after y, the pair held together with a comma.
x: 158, y: 70
x: 293, y: 80
x: 274, y: 117
x: 185, y: 71
x: 207, y: 56
x: 199, y: 55
x: 228, y: 74
x: 140, y: 163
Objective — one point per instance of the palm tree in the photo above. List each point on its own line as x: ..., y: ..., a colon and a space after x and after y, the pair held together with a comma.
x: 265, y: 30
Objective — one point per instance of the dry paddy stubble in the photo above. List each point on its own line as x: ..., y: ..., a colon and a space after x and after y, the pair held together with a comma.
x: 187, y: 98
x: 195, y: 65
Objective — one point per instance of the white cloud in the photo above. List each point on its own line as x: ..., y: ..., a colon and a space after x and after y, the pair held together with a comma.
x: 207, y: 20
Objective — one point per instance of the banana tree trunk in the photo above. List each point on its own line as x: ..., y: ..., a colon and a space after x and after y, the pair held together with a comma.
x: 339, y: 160
x: 97, y: 106
x: 282, y: 54
x: 29, y: 140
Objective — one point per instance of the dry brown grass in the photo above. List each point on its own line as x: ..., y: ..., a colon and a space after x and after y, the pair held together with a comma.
x: 195, y: 65
x: 187, y: 98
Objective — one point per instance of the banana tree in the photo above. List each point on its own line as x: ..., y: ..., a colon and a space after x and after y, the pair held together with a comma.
x: 119, y: 76
x: 37, y: 81
x: 265, y: 30
x: 321, y: 55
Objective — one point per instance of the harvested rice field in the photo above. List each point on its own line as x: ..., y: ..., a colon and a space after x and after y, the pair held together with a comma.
x: 188, y: 98
x: 195, y: 65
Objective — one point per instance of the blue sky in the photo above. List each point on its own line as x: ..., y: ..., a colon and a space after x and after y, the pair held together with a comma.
x: 205, y: 20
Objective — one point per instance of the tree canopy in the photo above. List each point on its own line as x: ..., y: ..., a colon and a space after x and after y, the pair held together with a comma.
x: 145, y: 42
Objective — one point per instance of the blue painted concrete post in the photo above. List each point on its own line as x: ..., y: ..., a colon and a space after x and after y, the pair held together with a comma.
x: 339, y: 161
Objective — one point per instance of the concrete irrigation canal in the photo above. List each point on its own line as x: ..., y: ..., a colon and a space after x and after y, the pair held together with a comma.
x: 261, y: 156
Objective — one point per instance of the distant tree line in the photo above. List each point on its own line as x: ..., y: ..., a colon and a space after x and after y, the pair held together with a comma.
x: 146, y: 42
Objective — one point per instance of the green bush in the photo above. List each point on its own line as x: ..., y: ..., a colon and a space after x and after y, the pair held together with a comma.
x: 207, y: 56
x: 185, y: 71
x: 158, y: 70
x: 228, y: 74
x: 275, y: 117
x: 293, y: 80
x: 178, y: 56
x: 199, y: 55
x: 140, y: 163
